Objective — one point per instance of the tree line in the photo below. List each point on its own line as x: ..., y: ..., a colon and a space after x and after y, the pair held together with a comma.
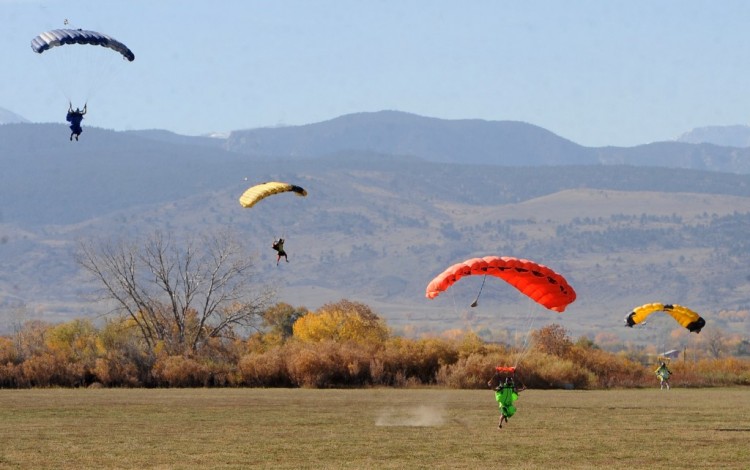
x: 342, y: 344
x: 192, y: 314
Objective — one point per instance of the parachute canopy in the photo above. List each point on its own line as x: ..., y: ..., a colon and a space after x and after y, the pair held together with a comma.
x: 261, y: 191
x: 61, y: 37
x: 684, y: 316
x: 537, y: 281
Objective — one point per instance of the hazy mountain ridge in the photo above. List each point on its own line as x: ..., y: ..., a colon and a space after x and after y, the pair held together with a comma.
x: 376, y: 227
x: 396, y: 133
x: 471, y: 141
x: 8, y: 117
x: 729, y: 136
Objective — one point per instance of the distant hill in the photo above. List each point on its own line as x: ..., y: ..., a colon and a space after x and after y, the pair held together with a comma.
x: 8, y: 117
x: 171, y: 137
x: 103, y: 172
x: 397, y: 133
x: 376, y: 227
x: 470, y: 141
x: 728, y: 136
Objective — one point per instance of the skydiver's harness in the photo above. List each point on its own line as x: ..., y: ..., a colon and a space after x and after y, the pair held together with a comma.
x: 510, y: 372
x: 663, y: 373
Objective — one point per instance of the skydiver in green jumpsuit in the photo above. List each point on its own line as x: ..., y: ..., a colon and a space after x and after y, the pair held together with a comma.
x: 506, y: 394
x: 663, y: 373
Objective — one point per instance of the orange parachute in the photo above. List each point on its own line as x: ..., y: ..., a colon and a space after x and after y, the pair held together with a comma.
x: 537, y: 281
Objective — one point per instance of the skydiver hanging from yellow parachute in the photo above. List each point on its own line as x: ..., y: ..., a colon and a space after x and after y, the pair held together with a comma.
x: 663, y: 373
x: 682, y: 315
x: 278, y: 245
x: 261, y: 191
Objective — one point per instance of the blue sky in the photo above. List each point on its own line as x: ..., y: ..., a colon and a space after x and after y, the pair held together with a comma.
x: 596, y: 72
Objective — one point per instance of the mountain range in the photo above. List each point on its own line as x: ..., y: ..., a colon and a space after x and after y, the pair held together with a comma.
x: 394, y: 198
x: 8, y: 117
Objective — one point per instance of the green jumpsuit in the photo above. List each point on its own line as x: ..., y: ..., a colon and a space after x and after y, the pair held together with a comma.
x: 505, y: 397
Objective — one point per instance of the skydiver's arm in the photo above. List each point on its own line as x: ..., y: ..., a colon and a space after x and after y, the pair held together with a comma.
x: 85, y: 105
x: 70, y: 107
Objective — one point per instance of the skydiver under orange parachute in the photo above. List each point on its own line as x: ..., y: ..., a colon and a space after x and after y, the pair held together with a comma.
x: 538, y: 282
x: 506, y: 392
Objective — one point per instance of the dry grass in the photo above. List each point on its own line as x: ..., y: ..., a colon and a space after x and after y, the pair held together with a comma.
x: 379, y: 428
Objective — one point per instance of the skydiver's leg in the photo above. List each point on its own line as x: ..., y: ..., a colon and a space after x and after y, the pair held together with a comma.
x: 503, y: 417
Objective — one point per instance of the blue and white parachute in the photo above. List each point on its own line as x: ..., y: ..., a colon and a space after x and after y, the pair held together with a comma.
x: 61, y: 37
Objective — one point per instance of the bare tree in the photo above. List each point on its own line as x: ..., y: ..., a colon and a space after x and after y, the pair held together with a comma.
x: 715, y: 342
x: 179, y: 295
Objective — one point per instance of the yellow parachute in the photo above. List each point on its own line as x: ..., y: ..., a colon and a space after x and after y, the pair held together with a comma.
x: 261, y: 191
x: 684, y: 316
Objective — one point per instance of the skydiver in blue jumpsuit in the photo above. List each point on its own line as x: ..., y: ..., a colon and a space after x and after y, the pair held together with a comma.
x: 75, y: 118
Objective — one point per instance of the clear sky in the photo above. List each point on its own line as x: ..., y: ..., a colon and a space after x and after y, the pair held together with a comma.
x: 598, y: 72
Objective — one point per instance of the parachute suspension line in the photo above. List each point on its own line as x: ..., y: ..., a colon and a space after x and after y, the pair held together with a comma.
x: 52, y: 67
x: 525, y: 346
x: 476, y: 301
x: 455, y: 305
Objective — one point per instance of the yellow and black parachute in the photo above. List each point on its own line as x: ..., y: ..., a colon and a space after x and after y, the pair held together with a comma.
x: 261, y: 191
x: 684, y: 316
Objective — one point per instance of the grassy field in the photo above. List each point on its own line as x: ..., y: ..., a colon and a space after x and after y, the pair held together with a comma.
x: 380, y: 428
